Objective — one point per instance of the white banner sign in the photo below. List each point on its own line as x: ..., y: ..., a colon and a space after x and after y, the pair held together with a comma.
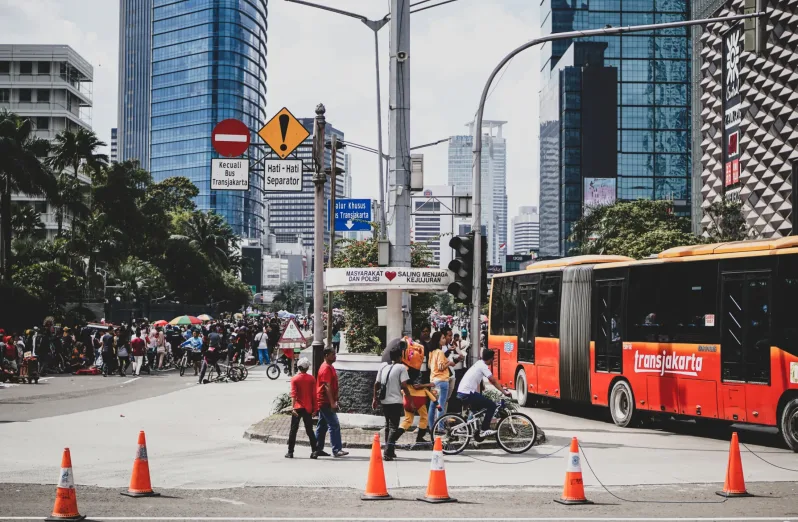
x: 283, y: 175
x: 386, y: 278
x: 229, y: 174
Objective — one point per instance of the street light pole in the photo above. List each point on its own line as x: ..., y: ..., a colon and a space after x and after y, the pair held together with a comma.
x: 476, y: 223
x: 319, y: 180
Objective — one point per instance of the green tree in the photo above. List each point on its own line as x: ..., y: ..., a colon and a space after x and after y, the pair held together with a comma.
x: 288, y: 297
x: 50, y: 281
x: 21, y: 170
x: 635, y: 229
x: 137, y: 278
x: 209, y: 233
x: 172, y: 194
x: 69, y: 197
x: 726, y: 222
x: 73, y: 148
x: 25, y: 221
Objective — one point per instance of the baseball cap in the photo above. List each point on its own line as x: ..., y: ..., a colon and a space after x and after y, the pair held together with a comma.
x: 303, y: 363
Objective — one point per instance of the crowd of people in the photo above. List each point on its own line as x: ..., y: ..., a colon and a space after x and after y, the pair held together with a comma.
x: 141, y: 345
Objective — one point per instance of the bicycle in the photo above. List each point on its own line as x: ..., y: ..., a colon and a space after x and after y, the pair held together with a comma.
x: 273, y: 369
x: 183, y: 362
x: 515, y: 432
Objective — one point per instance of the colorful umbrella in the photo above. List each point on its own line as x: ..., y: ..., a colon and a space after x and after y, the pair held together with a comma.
x: 238, y: 316
x: 185, y: 319
x: 205, y: 317
x: 160, y: 323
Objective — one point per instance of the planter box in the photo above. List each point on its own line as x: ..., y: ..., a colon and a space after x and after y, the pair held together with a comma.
x: 356, y: 376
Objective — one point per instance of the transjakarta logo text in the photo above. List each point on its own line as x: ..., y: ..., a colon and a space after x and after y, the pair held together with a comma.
x: 668, y: 363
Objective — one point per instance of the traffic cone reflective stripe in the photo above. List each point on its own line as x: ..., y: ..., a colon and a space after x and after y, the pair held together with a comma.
x: 140, y: 485
x: 375, y: 483
x: 437, y: 490
x: 574, y: 489
x: 66, y: 500
x: 734, y: 485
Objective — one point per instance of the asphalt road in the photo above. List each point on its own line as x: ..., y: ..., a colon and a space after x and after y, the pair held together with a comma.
x: 197, y: 454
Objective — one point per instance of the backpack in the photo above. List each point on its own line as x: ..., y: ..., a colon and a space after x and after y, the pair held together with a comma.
x: 413, y: 355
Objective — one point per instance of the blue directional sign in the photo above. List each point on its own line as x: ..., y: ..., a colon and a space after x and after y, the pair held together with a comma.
x: 351, y: 215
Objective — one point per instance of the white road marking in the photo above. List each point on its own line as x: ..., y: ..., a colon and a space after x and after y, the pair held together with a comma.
x: 228, y: 501
x: 130, y: 380
x: 44, y: 379
x: 239, y: 138
x: 415, y: 519
x: 8, y: 385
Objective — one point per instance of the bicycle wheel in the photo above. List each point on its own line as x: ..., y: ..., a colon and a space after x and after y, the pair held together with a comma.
x: 454, y: 432
x: 243, y: 371
x: 236, y: 374
x: 182, y: 366
x: 272, y: 371
x: 516, y: 433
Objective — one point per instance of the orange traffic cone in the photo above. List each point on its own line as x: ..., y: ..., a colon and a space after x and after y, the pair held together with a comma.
x: 574, y: 490
x: 375, y: 483
x: 437, y: 490
x: 66, y: 499
x: 734, y: 486
x: 140, y: 479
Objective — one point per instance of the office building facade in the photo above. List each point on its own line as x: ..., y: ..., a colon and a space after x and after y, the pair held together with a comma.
x: 653, y: 93
x: 746, y: 113
x: 52, y: 86
x: 526, y: 231
x: 291, y: 213
x: 494, y: 180
x: 114, y: 155
x: 185, y: 66
x: 433, y: 223
x: 578, y: 162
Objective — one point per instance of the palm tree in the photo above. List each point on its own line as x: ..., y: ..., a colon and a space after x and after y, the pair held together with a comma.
x: 288, y: 296
x: 25, y: 221
x: 70, y: 196
x: 211, y: 235
x: 70, y: 148
x: 21, y: 170
x: 137, y: 278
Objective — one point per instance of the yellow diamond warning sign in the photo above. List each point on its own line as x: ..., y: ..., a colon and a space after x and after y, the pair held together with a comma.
x: 283, y: 133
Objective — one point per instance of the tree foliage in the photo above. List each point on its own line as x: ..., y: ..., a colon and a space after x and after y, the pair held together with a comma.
x: 635, y: 229
x: 289, y: 297
x: 726, y: 222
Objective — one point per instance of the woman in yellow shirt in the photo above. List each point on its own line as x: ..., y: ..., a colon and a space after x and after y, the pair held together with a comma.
x: 439, y: 376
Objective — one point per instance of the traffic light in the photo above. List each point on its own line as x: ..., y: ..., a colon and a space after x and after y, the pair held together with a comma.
x: 483, y: 275
x: 463, y: 267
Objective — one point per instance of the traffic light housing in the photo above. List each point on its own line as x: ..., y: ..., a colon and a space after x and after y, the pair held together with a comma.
x: 483, y: 275
x: 463, y: 267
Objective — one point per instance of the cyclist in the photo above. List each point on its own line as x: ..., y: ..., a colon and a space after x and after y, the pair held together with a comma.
x: 212, y: 356
x: 194, y: 343
x: 468, y: 391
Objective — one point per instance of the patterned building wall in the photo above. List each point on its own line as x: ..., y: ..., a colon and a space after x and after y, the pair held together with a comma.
x: 768, y: 135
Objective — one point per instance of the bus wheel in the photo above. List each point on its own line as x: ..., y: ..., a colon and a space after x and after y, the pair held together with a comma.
x: 522, y: 389
x: 789, y: 424
x: 622, y: 404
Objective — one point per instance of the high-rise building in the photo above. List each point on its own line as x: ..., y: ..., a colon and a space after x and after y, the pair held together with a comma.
x: 433, y: 223
x: 578, y: 162
x: 745, y: 114
x: 526, y: 231
x: 114, y: 156
x: 653, y: 70
x: 494, y: 180
x: 291, y: 213
x: 52, y: 86
x: 185, y: 66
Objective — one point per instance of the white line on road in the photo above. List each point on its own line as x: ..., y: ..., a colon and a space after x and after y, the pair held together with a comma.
x: 130, y: 380
x: 548, y: 519
x: 42, y: 379
x: 228, y: 501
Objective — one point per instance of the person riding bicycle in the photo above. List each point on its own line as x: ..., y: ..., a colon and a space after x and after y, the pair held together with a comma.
x: 195, y: 345
x: 468, y: 391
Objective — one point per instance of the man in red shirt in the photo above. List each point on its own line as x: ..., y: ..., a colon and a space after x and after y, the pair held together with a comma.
x: 303, y: 390
x: 328, y: 404
x: 139, y: 349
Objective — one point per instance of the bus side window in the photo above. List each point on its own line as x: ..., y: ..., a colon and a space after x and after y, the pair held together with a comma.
x: 496, y: 306
x: 549, y: 307
x: 510, y: 307
x: 785, y: 307
x: 645, y: 308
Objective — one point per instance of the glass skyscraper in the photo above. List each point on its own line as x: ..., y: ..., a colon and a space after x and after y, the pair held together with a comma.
x: 653, y: 90
x: 196, y: 63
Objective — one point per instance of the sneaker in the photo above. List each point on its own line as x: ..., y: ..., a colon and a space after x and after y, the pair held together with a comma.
x: 388, y: 458
x: 289, y: 455
x: 314, y: 455
x: 487, y: 433
x: 341, y: 453
x: 322, y: 453
x: 420, y: 437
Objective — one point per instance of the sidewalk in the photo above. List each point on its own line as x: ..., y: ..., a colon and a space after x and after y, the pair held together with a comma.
x: 274, y: 430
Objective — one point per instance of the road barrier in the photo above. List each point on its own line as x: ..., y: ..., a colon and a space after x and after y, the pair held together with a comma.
x: 437, y: 490
x: 140, y: 485
x: 734, y: 485
x: 375, y: 483
x: 573, y: 491
x: 66, y: 498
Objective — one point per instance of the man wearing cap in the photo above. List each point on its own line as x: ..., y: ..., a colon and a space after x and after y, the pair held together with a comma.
x: 303, y: 391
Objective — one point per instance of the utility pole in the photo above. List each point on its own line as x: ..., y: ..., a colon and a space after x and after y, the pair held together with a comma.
x: 399, y: 166
x: 319, y: 179
x: 331, y: 254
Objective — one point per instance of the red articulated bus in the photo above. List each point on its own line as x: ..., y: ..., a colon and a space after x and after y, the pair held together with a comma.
x: 705, y: 331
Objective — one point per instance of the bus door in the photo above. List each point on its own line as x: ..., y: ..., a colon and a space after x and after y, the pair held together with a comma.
x: 527, y: 306
x: 745, y: 339
x: 607, y: 316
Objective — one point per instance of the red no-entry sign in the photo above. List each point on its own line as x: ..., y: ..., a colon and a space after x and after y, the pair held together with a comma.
x: 230, y: 137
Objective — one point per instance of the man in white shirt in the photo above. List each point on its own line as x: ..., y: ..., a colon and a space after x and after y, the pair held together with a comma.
x: 468, y: 391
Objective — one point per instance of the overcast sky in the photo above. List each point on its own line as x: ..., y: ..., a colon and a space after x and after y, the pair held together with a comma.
x: 315, y: 56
